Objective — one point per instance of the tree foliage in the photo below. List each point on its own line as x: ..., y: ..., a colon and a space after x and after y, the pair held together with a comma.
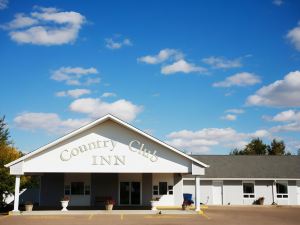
x: 9, y: 153
x: 257, y: 147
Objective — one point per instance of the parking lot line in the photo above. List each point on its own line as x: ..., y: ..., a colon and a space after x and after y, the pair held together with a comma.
x: 90, y: 216
x: 201, y: 212
x: 167, y: 217
x: 122, y: 216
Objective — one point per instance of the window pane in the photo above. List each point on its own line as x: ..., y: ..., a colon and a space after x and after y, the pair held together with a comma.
x: 77, y: 188
x: 248, y: 188
x: 281, y: 188
x: 155, y: 187
x: 155, y: 192
x: 163, y: 186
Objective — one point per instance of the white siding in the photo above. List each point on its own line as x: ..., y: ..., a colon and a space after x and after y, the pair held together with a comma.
x: 232, y: 192
x: 263, y: 188
x: 165, y: 200
x: 292, y: 191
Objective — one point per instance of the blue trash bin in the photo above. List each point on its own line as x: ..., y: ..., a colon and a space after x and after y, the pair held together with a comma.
x: 187, y: 197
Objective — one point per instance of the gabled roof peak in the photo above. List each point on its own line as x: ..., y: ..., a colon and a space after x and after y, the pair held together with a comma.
x: 99, y: 121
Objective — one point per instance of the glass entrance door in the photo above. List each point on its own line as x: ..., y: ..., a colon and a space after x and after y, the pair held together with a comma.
x: 124, y: 193
x: 135, y: 193
x: 130, y: 193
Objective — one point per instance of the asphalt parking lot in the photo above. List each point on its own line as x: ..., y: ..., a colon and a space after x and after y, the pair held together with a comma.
x: 213, y: 216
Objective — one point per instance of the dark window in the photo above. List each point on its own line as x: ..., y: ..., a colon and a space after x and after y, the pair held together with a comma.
x: 281, y: 188
x: 155, y: 190
x: 77, y: 188
x: 248, y: 189
x: 170, y: 189
x: 163, y: 188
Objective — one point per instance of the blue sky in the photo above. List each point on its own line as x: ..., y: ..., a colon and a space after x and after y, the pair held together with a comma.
x: 204, y: 76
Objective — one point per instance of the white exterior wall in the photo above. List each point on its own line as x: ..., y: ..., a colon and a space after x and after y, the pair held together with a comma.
x: 189, y: 188
x: 205, y: 190
x: 178, y: 190
x: 78, y: 200
x: 292, y: 192
x: 165, y: 200
x: 263, y: 188
x: 232, y: 192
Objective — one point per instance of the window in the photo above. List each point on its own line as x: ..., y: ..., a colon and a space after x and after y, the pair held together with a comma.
x: 248, y: 190
x: 282, y: 190
x: 67, y: 190
x: 170, y: 189
x: 77, y: 188
x: 163, y: 188
x: 155, y: 190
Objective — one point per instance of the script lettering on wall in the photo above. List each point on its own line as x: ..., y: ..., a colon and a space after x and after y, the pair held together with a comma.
x: 108, y: 145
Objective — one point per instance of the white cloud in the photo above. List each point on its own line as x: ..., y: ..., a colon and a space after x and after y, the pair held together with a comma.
x: 290, y: 118
x: 20, y: 21
x: 281, y: 93
x: 113, y: 44
x: 73, y: 75
x: 278, y: 2
x: 45, y: 26
x: 222, y: 63
x: 108, y: 94
x: 95, y: 107
x: 230, y: 117
x: 75, y: 93
x: 3, y: 4
x: 163, y: 55
x: 181, y: 66
x: 201, y: 141
x: 287, y: 116
x: 48, y: 122
x: 236, y: 111
x: 239, y: 79
x: 294, y: 36
x: 290, y: 127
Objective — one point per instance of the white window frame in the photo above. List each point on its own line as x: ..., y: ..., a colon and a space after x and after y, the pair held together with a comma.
x: 282, y: 195
x: 169, y: 191
x: 249, y: 195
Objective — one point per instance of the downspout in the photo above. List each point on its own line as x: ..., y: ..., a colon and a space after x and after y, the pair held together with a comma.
x: 273, y: 192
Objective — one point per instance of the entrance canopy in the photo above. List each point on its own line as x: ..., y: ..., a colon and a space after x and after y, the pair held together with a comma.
x: 107, y: 145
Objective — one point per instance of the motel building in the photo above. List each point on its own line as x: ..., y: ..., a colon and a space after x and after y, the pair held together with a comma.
x: 110, y: 159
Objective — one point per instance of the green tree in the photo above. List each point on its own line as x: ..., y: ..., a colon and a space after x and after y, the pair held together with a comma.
x: 9, y: 153
x: 277, y: 148
x: 237, y: 151
x: 254, y: 147
x: 4, y: 133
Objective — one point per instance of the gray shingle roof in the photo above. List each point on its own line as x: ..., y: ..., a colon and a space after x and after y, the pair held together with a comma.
x: 250, y: 166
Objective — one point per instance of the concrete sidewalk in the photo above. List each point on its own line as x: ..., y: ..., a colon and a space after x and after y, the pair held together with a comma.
x: 104, y: 212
